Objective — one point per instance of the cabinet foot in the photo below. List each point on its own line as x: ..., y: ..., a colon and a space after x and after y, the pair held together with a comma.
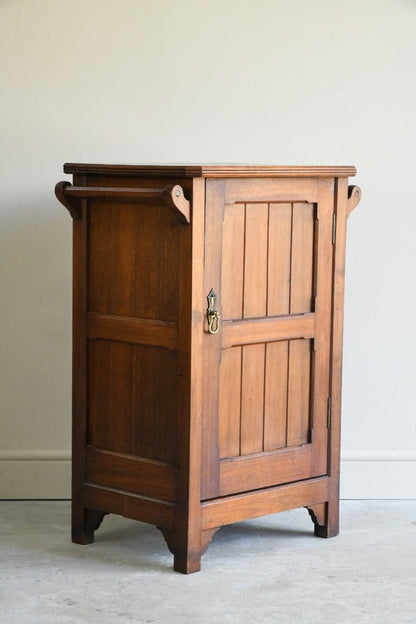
x: 84, y: 523
x: 325, y: 517
x: 185, y: 558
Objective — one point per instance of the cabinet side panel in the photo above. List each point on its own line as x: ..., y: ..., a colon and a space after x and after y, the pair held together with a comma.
x: 133, y: 267
x: 133, y: 399
x: 111, y: 401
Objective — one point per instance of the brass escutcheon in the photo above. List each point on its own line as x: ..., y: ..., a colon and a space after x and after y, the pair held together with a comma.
x: 212, y: 313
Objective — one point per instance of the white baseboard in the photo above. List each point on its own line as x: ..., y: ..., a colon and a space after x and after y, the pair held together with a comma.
x: 378, y: 474
x: 35, y: 474
x: 365, y: 474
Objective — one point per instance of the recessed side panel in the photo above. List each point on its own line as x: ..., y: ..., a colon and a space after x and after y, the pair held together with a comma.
x: 132, y: 406
x: 133, y: 260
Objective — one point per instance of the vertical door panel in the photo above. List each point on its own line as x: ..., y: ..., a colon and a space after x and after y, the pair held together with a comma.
x: 280, y: 228
x: 298, y: 392
x: 275, y: 399
x: 255, y: 260
x: 229, y: 409
x: 302, y: 255
x: 252, y: 399
x: 233, y: 261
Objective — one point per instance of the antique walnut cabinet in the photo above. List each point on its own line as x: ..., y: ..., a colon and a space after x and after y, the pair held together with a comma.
x: 207, y: 345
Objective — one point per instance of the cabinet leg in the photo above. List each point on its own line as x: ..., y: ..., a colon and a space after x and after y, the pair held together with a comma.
x: 187, y: 557
x: 325, y: 517
x: 84, y: 523
x: 186, y: 563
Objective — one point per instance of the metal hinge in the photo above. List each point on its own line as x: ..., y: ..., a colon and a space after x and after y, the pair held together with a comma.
x: 334, y: 226
x: 328, y: 413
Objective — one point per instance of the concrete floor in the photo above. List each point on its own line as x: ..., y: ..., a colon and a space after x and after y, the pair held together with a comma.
x: 268, y: 570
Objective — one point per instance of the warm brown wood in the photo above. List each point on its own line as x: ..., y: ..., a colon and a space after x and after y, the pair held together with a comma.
x: 255, y: 261
x: 279, y: 247
x: 134, y: 506
x: 354, y: 196
x: 220, y: 511
x: 186, y: 428
x: 216, y: 171
x: 211, y: 349
x: 275, y: 401
x: 302, y: 257
x: 298, y: 392
x: 173, y: 197
x: 252, y: 471
x: 229, y: 407
x: 138, y: 475
x: 187, y: 528
x: 232, y: 262
x: 73, y: 205
x: 252, y: 399
x: 127, y: 329
x: 267, y: 330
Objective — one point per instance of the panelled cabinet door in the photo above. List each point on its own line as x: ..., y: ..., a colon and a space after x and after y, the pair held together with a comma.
x: 268, y: 259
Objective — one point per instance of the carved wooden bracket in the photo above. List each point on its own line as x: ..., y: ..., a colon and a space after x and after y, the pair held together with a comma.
x: 173, y: 196
x: 72, y: 204
x: 175, y: 199
x: 354, y: 196
x: 318, y: 514
x: 172, y: 542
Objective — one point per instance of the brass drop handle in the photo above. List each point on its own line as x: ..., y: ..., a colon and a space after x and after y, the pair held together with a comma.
x: 212, y: 313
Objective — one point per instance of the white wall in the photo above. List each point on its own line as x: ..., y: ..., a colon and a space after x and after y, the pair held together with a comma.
x: 249, y: 81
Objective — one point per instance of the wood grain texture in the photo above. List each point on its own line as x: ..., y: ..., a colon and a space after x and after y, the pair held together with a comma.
x: 251, y: 472
x: 131, y: 473
x: 129, y: 412
x: 128, y: 504
x: 267, y: 330
x: 216, y: 171
x: 135, y: 330
x: 275, y: 395
x: 173, y: 196
x: 302, y: 257
x: 298, y: 392
x: 211, y: 345
x: 255, y: 260
x: 128, y: 277
x: 229, y: 410
x: 218, y: 512
x: 232, y: 263
x: 323, y: 303
x: 252, y: 399
x: 279, y: 253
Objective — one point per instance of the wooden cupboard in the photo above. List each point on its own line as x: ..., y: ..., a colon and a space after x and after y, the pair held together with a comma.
x: 207, y: 345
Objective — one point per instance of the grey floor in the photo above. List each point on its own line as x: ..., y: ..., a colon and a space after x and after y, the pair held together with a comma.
x: 268, y: 570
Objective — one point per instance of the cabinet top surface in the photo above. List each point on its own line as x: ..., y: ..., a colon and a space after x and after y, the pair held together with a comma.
x: 211, y: 171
